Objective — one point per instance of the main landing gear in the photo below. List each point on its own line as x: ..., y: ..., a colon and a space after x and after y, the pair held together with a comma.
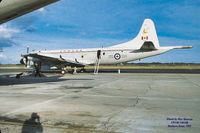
x: 82, y: 70
x: 74, y: 70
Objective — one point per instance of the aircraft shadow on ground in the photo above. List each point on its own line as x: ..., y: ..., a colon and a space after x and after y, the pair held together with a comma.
x: 33, y: 80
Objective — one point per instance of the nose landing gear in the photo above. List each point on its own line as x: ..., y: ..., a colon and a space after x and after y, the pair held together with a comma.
x: 37, y: 67
x: 63, y: 71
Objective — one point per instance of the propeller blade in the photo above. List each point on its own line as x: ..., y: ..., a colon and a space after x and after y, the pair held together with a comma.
x: 26, y: 60
x: 22, y: 61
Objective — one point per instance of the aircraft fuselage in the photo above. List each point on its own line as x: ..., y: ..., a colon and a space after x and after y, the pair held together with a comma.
x: 107, y: 55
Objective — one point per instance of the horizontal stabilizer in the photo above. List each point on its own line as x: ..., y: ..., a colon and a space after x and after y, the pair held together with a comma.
x: 181, y: 47
x: 177, y: 47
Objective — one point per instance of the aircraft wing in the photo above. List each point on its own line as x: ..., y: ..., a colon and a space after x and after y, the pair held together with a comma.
x: 56, y: 61
x: 10, y: 9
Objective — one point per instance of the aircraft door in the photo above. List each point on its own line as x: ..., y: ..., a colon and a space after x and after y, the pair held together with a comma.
x: 99, y: 54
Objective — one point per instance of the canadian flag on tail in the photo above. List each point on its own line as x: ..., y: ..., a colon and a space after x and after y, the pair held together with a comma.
x: 144, y: 38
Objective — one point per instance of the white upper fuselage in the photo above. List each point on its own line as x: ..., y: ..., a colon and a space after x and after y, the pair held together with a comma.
x: 110, y: 55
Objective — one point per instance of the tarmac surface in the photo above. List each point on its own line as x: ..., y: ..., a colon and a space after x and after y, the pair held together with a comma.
x: 107, y: 70
x: 103, y: 103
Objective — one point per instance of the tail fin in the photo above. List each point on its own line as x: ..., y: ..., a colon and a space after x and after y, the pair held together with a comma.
x: 147, y: 34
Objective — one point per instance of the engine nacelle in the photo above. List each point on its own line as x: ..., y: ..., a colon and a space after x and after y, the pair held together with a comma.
x: 29, y: 61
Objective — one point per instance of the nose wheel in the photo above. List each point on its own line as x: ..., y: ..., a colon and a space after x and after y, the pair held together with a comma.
x: 63, y: 71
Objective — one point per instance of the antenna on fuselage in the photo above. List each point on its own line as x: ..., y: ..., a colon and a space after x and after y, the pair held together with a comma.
x: 27, y: 49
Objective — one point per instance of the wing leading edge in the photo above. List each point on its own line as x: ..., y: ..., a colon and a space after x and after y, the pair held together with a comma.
x: 56, y: 61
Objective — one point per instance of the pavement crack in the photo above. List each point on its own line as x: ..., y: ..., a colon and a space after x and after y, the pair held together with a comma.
x: 196, y: 84
x: 137, y: 101
x: 107, y: 124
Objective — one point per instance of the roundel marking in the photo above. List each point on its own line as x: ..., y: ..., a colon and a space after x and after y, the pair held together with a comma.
x: 117, y: 56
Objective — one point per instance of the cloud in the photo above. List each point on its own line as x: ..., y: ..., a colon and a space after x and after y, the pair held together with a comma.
x: 7, y: 36
x: 31, y: 29
x: 3, y: 56
x: 6, y: 42
x: 25, y: 23
x: 7, y: 32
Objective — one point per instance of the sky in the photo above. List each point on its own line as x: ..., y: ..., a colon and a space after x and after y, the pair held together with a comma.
x: 71, y: 24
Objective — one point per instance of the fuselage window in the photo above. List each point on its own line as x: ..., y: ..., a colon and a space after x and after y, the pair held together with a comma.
x: 103, y: 53
x: 82, y: 56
